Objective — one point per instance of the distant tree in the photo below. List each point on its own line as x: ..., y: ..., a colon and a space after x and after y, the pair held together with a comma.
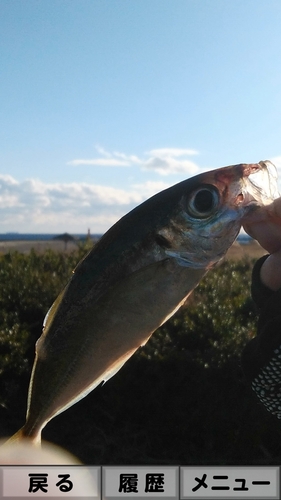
x: 66, y: 238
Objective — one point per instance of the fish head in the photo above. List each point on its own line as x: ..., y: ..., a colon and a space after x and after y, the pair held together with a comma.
x: 211, y: 209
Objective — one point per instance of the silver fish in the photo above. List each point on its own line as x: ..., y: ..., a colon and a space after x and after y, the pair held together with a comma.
x: 134, y: 279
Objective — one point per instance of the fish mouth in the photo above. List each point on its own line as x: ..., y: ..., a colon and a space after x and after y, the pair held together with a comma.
x: 258, y: 185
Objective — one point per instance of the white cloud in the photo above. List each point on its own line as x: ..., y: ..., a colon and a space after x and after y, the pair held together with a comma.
x: 129, y: 158
x: 39, y: 207
x: 102, y: 151
x: 167, y: 161
x: 103, y: 162
x: 170, y: 152
x: 164, y: 161
x: 108, y: 159
x: 34, y: 206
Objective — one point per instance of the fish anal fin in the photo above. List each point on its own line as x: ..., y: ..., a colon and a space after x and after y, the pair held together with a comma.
x: 118, y: 365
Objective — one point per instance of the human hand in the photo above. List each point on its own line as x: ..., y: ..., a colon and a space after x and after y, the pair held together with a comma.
x: 264, y: 225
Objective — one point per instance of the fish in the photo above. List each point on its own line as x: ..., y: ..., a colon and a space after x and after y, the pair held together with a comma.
x: 133, y: 280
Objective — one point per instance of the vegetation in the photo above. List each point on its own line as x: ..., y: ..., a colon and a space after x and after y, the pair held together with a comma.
x: 181, y: 399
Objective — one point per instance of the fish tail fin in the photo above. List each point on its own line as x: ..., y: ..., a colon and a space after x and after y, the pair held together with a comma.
x: 20, y: 435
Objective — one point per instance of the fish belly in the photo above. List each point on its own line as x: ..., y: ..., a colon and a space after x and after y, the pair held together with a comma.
x: 104, y: 337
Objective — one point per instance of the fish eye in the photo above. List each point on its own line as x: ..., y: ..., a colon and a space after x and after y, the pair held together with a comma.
x: 203, y: 202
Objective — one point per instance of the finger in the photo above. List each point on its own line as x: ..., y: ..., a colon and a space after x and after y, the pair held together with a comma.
x: 271, y: 271
x: 275, y: 208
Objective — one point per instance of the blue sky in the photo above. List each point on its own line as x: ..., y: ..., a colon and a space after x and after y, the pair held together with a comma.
x: 105, y: 102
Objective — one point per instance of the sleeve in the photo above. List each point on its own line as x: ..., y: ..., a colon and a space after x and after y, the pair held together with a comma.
x: 261, y: 358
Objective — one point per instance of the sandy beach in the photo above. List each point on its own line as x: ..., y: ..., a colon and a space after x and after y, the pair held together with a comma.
x: 236, y: 251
